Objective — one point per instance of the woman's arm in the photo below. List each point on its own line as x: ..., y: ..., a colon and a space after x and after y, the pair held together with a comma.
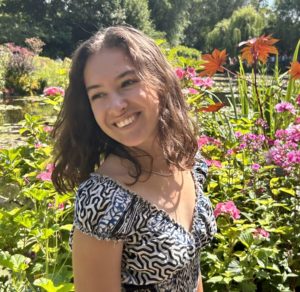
x: 200, y: 286
x: 96, y: 264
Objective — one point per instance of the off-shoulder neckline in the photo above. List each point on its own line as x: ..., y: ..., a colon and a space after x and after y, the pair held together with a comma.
x: 155, y: 208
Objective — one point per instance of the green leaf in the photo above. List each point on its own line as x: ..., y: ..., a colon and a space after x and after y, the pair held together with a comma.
x: 46, y: 233
x: 248, y: 287
x: 239, y: 278
x: 215, y: 279
x: 67, y: 227
x: 246, y: 238
x: 48, y: 285
x: 274, y: 181
x: 25, y: 219
x: 19, y: 262
x: 290, y: 191
x: 273, y: 267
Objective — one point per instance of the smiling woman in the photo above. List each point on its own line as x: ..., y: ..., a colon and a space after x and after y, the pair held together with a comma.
x: 124, y: 135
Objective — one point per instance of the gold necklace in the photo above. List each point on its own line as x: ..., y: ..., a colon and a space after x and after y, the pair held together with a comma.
x: 165, y: 174
x: 160, y: 173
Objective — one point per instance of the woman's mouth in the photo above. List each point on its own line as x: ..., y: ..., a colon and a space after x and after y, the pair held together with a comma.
x: 128, y: 121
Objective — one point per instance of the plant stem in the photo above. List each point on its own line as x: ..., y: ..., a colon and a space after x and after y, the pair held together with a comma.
x: 256, y: 91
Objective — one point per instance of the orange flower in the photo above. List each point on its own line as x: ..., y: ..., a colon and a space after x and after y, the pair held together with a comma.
x: 213, y: 62
x: 212, y: 108
x: 258, y: 49
x: 295, y: 70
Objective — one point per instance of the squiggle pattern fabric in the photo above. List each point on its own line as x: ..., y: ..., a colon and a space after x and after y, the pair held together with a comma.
x: 158, y: 253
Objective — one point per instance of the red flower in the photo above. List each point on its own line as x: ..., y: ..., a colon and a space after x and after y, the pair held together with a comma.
x: 295, y: 70
x: 258, y: 49
x: 214, y: 62
x: 212, y: 108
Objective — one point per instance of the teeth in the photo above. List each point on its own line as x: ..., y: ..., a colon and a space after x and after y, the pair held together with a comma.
x: 125, y: 122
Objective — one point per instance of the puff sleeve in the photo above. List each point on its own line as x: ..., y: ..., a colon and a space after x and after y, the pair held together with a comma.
x: 200, y: 168
x: 99, y: 209
x: 206, y: 225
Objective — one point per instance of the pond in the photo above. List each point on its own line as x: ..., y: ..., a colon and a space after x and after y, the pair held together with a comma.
x: 12, y: 112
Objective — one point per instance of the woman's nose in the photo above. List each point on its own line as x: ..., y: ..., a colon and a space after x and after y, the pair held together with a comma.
x: 118, y: 103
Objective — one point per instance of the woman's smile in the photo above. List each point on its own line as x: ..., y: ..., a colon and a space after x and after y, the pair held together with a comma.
x: 126, y: 122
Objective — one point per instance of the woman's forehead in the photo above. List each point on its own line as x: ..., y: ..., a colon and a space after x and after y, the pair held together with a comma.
x: 108, y: 62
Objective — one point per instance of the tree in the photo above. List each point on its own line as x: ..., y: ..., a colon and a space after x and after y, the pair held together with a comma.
x: 137, y: 13
x: 285, y: 24
x: 171, y: 17
x: 245, y: 23
x: 204, y: 15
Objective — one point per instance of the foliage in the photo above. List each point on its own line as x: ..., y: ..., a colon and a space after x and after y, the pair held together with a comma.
x: 4, y: 59
x: 35, y: 220
x: 26, y: 73
x: 79, y: 19
x: 51, y: 72
x: 203, y: 16
x: 286, y: 19
x: 138, y: 14
x: 244, y: 23
x: 254, y: 155
x: 18, y: 70
x: 177, y: 13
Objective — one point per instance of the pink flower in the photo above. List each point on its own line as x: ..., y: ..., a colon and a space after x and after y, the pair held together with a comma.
x: 205, y: 140
x: 227, y: 208
x: 251, y: 141
x: 53, y: 205
x: 61, y: 206
x: 38, y: 145
x: 50, y: 167
x: 298, y: 100
x: 285, y: 152
x: 203, y: 82
x: 48, y: 129
x: 191, y: 71
x: 53, y: 91
x: 255, y: 166
x: 46, y: 175
x: 192, y: 91
x: 238, y: 134
x: 262, y: 123
x: 297, y: 120
x: 215, y: 163
x: 261, y: 232
x: 285, y: 107
x: 230, y: 152
x: 180, y: 73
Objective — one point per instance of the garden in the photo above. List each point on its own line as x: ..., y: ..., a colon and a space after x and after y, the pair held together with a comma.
x: 249, y: 137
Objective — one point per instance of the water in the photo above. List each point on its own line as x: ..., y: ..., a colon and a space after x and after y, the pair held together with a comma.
x: 12, y: 112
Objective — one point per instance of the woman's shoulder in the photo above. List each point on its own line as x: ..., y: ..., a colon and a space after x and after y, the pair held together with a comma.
x: 100, y: 204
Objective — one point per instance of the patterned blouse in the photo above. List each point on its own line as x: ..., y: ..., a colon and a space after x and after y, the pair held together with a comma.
x: 158, y: 253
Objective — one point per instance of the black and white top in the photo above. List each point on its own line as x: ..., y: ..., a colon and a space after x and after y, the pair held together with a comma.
x: 158, y: 253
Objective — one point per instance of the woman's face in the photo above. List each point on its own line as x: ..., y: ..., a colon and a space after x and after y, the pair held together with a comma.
x: 125, y: 108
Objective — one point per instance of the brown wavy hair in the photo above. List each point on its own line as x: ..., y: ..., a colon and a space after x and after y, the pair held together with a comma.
x: 80, y: 144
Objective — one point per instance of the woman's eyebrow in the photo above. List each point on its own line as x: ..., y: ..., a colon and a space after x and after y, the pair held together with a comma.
x: 121, y: 75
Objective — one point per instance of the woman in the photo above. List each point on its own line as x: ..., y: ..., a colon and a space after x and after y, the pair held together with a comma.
x: 124, y: 134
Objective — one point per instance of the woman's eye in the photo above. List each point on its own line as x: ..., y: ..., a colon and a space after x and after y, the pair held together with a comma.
x: 129, y: 82
x: 97, y: 95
